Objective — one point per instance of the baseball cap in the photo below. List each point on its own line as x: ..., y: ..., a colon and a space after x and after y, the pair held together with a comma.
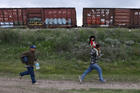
x: 33, y: 46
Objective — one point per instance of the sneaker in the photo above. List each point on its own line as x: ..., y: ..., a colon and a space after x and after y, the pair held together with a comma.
x: 35, y: 83
x: 102, y: 81
x: 80, y: 80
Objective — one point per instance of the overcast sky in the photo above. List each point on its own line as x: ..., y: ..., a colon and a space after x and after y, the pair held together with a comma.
x: 78, y: 4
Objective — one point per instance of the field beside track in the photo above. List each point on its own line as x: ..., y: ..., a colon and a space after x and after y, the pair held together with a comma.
x: 64, y: 55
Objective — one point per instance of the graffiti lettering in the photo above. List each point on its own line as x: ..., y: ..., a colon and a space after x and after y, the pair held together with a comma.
x: 57, y: 21
x: 6, y: 24
x: 99, y: 17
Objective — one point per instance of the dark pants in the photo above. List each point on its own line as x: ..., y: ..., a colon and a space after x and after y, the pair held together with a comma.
x: 30, y: 71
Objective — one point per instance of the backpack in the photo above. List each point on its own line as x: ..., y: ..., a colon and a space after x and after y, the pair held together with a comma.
x: 24, y: 59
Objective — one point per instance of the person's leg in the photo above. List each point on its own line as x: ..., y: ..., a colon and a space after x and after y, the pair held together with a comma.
x: 32, y: 75
x: 25, y: 73
x: 86, y: 72
x: 99, y: 70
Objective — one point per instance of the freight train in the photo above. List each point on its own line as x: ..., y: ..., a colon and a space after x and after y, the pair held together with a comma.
x: 66, y: 17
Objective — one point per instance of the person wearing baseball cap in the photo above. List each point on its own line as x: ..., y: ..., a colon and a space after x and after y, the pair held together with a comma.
x: 29, y: 59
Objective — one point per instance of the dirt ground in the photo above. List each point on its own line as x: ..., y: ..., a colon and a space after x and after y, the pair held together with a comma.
x: 14, y: 85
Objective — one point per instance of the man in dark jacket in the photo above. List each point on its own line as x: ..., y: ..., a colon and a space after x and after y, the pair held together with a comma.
x: 93, y: 64
x: 30, y: 58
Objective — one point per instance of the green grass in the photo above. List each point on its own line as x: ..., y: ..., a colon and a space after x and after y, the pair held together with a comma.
x: 117, y: 43
x: 72, y: 67
x: 64, y: 53
x: 70, y: 70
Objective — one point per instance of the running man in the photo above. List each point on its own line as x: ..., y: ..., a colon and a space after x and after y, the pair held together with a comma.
x: 29, y: 58
x: 93, y: 64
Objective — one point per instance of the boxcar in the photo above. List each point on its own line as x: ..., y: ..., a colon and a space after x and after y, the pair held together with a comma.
x: 38, y: 17
x: 111, y: 17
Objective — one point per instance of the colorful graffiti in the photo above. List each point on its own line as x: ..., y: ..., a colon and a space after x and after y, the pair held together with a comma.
x: 6, y: 24
x: 35, y: 21
x: 57, y: 21
x: 100, y: 17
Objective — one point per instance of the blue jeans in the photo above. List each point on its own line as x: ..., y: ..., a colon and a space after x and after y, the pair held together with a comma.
x: 90, y: 68
x: 30, y: 71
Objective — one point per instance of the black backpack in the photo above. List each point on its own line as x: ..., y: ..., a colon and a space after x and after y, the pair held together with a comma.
x: 23, y: 60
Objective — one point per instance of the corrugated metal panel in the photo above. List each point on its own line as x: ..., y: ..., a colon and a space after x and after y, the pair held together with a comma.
x: 12, y: 17
x: 122, y: 17
x: 98, y: 17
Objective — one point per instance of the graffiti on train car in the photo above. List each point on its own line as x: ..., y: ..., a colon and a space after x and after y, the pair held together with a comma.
x: 137, y: 13
x: 58, y: 21
x: 6, y: 24
x: 99, y: 17
x: 35, y: 22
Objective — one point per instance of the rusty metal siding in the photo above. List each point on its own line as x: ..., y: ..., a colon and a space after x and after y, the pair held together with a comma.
x: 12, y: 17
x: 122, y: 17
x: 98, y: 17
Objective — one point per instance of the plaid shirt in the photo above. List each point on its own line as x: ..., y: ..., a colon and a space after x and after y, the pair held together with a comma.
x: 94, y: 55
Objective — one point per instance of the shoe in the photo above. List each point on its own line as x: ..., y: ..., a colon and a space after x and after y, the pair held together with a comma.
x: 102, y: 81
x: 35, y: 83
x: 80, y: 80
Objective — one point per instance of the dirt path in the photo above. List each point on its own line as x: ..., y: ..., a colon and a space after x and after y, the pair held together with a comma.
x: 14, y: 85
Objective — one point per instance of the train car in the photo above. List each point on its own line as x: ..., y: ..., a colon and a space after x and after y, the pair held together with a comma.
x: 38, y: 17
x: 111, y: 17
